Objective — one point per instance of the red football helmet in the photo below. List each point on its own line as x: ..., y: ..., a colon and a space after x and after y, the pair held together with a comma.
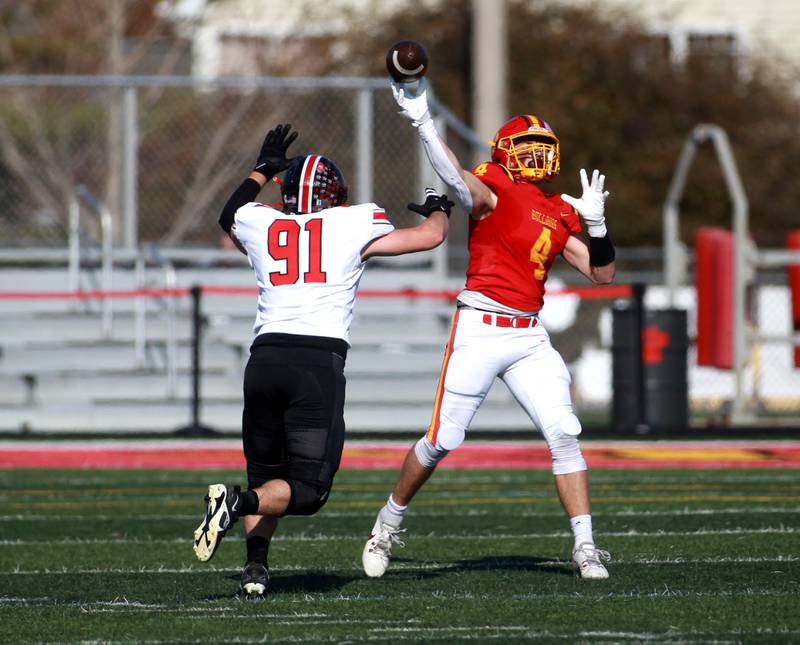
x: 527, y: 148
x: 312, y: 183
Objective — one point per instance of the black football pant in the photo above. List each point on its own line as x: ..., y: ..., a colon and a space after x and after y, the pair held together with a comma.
x: 293, y: 423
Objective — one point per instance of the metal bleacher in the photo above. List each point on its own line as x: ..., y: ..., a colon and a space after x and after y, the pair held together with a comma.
x: 63, y: 371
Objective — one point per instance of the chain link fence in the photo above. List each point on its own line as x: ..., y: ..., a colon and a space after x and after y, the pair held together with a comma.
x: 165, y: 153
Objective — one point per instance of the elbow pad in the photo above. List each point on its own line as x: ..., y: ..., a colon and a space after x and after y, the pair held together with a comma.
x: 441, y: 163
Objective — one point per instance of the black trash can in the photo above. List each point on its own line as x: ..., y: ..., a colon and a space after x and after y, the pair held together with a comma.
x: 664, y: 397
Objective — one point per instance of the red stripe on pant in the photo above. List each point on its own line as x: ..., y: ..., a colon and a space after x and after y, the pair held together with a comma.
x: 433, y: 428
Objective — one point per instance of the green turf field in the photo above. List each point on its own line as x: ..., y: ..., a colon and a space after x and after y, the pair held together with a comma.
x: 88, y: 556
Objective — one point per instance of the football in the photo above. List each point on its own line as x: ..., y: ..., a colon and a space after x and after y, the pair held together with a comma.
x: 406, y: 61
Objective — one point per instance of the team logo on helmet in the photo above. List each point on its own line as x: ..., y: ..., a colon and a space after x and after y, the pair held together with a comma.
x: 527, y: 148
x: 312, y: 184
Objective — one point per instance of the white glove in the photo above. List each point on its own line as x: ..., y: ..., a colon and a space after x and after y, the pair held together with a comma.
x: 592, y: 204
x: 413, y: 101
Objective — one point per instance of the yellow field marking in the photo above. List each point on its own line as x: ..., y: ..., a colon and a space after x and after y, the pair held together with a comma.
x: 493, y: 501
x: 101, y: 490
x: 381, y: 488
x: 122, y: 503
x: 457, y: 501
x: 385, y: 488
x: 683, y: 454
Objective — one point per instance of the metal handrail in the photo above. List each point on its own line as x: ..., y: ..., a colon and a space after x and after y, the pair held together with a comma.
x: 170, y: 281
x: 140, y: 312
x: 102, y: 212
x: 673, y: 258
x: 153, y: 253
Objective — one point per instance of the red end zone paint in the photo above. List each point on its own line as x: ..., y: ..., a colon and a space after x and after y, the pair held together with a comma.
x: 227, y: 454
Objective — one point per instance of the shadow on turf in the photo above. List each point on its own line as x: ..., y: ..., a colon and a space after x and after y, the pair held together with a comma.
x: 308, y: 582
x: 511, y: 562
x: 315, y: 582
x: 487, y: 563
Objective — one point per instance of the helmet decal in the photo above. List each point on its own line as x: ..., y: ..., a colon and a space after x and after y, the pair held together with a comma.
x: 312, y: 183
x: 306, y: 189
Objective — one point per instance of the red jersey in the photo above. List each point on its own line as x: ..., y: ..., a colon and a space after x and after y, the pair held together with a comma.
x: 511, y: 250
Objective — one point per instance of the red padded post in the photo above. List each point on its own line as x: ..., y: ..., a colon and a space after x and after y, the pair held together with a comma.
x: 723, y: 278
x: 704, y: 246
x: 793, y: 243
x: 714, y: 286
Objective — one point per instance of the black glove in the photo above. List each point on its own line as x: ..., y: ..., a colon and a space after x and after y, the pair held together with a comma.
x: 433, y: 202
x: 272, y: 158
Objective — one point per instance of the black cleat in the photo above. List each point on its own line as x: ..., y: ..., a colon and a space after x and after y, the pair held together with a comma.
x: 255, y: 580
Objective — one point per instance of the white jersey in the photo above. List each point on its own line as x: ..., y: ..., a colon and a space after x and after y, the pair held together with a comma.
x: 307, y: 265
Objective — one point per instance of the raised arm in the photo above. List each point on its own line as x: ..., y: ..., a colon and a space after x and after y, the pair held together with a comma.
x: 595, y: 261
x: 424, y: 236
x: 271, y: 160
x: 473, y: 195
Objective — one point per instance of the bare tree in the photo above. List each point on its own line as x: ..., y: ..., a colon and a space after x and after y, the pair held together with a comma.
x: 620, y: 102
x: 45, y: 134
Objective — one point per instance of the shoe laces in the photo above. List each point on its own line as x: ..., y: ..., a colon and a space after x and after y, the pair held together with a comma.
x: 594, y: 555
x: 386, y: 537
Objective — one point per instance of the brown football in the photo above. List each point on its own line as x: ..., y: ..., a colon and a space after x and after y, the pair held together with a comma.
x: 406, y: 61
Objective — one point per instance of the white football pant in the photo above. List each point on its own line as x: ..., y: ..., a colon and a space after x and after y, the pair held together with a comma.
x: 517, y: 350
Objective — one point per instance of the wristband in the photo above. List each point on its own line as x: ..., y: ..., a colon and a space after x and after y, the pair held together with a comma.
x: 601, y: 251
x: 597, y: 230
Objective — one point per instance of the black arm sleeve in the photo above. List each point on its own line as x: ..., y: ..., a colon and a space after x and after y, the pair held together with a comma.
x: 244, y: 194
x: 601, y: 251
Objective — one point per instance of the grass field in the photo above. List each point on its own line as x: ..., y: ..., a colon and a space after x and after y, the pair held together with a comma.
x: 88, y: 556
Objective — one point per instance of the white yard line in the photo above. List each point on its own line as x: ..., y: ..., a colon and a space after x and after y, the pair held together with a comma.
x: 443, y: 513
x: 396, y: 566
x: 316, y: 599
x: 778, y: 530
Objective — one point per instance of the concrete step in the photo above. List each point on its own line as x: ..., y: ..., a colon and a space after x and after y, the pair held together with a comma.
x: 107, y: 356
x: 119, y: 356
x: 220, y: 385
x: 165, y: 417
x: 55, y: 328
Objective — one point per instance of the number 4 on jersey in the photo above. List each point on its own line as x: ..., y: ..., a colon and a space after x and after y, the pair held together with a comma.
x: 540, y: 252
x: 287, y: 249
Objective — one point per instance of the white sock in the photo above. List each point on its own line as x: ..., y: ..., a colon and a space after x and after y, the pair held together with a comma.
x: 582, y: 529
x: 392, y: 514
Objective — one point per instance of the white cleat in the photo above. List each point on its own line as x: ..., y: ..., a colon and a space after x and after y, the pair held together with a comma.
x: 587, y: 560
x: 222, y: 506
x: 378, y: 549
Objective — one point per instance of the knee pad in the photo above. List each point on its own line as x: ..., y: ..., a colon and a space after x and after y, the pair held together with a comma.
x: 310, y: 481
x: 428, y: 455
x: 570, y: 425
x: 565, y: 449
x: 258, y: 474
x: 307, y: 496
x: 450, y: 437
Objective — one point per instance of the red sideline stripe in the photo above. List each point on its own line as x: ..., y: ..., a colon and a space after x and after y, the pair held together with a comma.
x: 228, y: 455
x: 600, y: 292
x: 96, y: 294
x: 230, y: 291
